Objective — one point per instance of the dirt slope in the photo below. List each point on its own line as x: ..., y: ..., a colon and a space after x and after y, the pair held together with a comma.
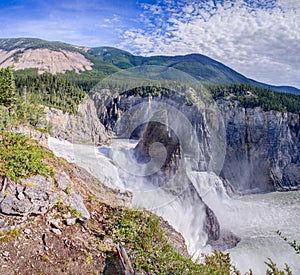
x: 45, y: 60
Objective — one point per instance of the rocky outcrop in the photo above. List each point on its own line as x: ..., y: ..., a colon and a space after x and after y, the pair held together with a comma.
x: 70, y: 186
x: 159, y: 144
x: 32, y: 198
x: 83, y: 127
x: 37, y: 194
x: 212, y: 226
x: 174, y: 237
x: 40, y: 136
x: 263, y: 149
x: 226, y: 240
x: 45, y: 60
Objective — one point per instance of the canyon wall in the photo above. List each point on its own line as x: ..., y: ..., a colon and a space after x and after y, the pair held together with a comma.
x: 84, y: 127
x: 262, y: 148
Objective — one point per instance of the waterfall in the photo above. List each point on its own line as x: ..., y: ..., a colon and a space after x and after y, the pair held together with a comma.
x: 254, y: 218
x: 182, y: 208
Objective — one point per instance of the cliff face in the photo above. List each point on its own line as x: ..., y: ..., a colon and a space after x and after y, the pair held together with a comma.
x: 45, y: 60
x: 263, y: 149
x: 84, y: 127
x: 195, y: 126
x: 172, y: 178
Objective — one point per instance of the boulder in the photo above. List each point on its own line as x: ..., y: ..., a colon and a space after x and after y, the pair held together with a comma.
x: 37, y: 194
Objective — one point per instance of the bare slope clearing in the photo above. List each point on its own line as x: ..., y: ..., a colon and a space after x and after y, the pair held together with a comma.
x: 45, y: 60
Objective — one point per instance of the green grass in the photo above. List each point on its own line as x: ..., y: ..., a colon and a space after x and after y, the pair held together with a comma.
x: 63, y: 209
x: 68, y: 190
x: 21, y: 157
x: 149, y: 249
x: 9, y: 235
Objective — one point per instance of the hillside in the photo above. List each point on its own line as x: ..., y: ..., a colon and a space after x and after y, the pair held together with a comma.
x: 64, y: 220
x: 47, y: 56
x: 96, y: 63
x: 56, y: 218
x: 203, y: 68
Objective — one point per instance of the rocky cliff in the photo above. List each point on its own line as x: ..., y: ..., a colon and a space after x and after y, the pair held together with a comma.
x: 263, y: 149
x: 83, y: 127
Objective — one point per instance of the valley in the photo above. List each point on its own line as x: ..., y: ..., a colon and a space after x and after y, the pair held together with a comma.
x: 211, y: 153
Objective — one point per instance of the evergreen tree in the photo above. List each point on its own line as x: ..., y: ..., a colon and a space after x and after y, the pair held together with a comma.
x: 7, y: 88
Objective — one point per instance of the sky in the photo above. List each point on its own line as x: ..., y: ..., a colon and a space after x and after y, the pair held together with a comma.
x: 258, y: 38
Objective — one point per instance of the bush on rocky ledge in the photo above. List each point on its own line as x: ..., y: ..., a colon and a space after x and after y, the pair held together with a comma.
x: 21, y: 157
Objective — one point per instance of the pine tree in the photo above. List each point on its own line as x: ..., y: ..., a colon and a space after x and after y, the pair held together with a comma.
x: 7, y: 88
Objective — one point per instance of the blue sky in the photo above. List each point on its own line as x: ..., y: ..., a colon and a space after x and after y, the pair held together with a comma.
x: 259, y: 38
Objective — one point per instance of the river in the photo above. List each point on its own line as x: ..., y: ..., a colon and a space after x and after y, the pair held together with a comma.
x: 255, y: 219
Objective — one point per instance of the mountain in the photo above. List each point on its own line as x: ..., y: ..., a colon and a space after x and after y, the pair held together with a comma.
x: 53, y: 57
x: 203, y: 68
x: 199, y: 66
x: 59, y: 57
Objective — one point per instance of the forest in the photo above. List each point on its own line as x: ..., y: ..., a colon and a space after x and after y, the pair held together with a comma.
x: 49, y: 90
x: 250, y: 96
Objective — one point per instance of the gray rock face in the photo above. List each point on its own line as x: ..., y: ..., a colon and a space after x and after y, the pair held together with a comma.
x: 263, y: 149
x: 290, y: 177
x: 212, y: 226
x: 225, y: 241
x: 145, y: 151
x: 40, y: 137
x: 37, y: 194
x: 72, y: 198
x: 32, y: 197
x: 84, y: 127
x: 110, y: 109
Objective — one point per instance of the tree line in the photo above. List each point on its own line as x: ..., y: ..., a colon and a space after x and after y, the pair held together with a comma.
x: 250, y: 96
x: 24, y: 96
x: 50, y: 90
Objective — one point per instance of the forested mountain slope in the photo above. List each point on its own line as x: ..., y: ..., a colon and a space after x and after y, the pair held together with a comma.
x: 96, y: 63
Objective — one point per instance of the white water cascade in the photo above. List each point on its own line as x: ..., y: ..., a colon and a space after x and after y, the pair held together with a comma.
x: 254, y: 218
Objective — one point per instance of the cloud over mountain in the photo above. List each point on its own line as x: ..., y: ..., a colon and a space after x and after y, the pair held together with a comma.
x: 258, y: 38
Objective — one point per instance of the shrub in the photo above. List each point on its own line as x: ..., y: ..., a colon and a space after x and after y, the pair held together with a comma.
x: 149, y: 249
x: 21, y: 157
x: 6, y: 119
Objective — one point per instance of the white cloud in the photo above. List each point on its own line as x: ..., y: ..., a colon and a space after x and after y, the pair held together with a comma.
x: 112, y: 20
x: 260, y: 39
